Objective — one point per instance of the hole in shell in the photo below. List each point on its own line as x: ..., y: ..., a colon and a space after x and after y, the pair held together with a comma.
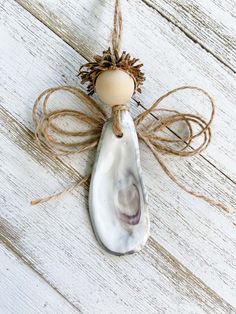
x: 120, y: 135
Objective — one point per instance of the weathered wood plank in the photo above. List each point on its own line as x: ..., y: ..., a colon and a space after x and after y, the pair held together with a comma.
x: 23, y: 291
x: 170, y: 58
x: 211, y: 24
x: 194, y: 233
x: 59, y: 244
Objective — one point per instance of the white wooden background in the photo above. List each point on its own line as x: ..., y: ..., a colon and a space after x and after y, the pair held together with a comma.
x: 50, y: 261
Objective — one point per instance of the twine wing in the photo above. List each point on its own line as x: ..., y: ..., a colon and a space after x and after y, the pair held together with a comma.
x: 151, y: 134
x: 49, y: 132
x: 48, y: 129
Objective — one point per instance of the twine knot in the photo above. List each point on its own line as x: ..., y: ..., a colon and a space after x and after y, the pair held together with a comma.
x: 116, y: 124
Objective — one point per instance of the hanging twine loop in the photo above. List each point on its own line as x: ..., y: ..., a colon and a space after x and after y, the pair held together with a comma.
x: 117, y: 30
x: 116, y: 48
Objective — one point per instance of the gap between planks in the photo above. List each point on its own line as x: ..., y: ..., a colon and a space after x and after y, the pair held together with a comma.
x: 5, y: 241
x: 31, y: 10
x: 188, y: 34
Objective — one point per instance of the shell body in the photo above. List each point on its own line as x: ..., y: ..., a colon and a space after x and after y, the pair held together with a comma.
x: 117, y: 198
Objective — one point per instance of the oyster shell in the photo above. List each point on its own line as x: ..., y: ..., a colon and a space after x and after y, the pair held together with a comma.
x: 117, y: 198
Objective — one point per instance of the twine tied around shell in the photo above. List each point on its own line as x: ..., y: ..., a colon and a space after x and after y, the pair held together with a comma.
x: 47, y: 124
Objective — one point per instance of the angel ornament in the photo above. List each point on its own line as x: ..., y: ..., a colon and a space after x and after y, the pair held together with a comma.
x: 117, y: 197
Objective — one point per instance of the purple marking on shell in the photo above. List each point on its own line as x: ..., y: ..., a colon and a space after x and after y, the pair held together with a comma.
x: 131, y: 220
x: 128, y: 201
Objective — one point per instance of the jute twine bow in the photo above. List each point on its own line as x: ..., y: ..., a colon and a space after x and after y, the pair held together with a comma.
x: 49, y: 133
x: 48, y: 130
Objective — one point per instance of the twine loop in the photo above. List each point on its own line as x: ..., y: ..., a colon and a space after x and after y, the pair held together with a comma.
x: 117, y: 29
x: 165, y: 145
x: 51, y: 136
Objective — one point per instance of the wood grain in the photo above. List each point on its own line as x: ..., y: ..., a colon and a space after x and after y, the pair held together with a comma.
x: 31, y: 293
x: 211, y: 24
x: 57, y: 238
x: 57, y: 242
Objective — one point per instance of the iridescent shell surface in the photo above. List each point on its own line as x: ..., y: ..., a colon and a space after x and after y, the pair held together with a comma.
x: 117, y: 198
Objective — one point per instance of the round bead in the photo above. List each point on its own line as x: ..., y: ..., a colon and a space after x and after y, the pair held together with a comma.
x: 114, y: 87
